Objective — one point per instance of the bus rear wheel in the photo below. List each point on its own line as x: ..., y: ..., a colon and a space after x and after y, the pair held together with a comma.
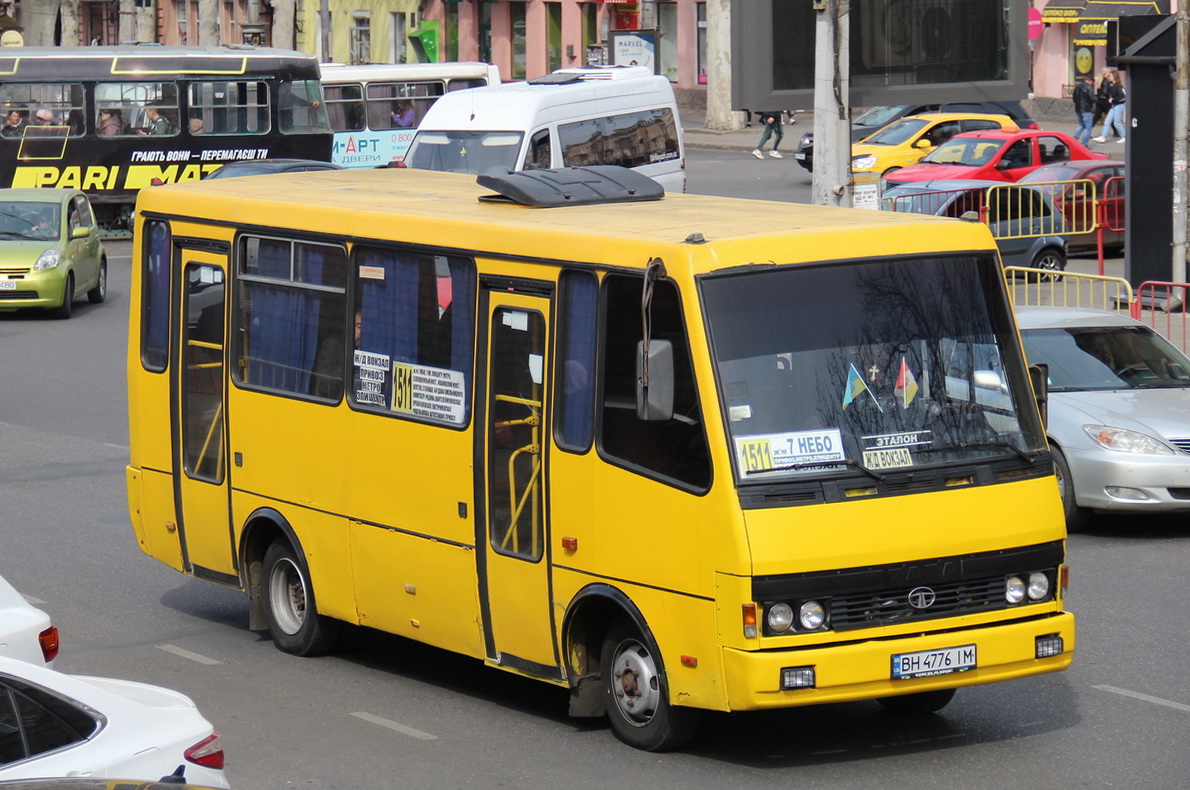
x: 294, y: 622
x: 636, y: 693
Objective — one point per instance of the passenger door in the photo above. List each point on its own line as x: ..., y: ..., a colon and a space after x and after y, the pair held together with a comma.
x: 513, y: 526
x: 201, y: 486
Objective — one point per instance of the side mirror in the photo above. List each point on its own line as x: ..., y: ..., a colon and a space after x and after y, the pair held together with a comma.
x: 80, y: 232
x: 655, y: 380
x: 923, y: 143
x: 1039, y: 376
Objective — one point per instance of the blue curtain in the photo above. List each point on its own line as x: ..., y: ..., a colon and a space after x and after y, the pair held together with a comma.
x: 283, y: 336
x: 391, y: 315
x: 575, y: 384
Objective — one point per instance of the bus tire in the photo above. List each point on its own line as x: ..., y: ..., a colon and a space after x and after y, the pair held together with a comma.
x: 294, y: 622
x: 918, y: 704
x: 636, y: 693
x: 97, y: 294
x: 64, y: 310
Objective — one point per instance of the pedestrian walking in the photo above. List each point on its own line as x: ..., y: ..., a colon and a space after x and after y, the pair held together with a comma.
x: 1115, y: 115
x: 1084, y: 108
x: 771, y: 121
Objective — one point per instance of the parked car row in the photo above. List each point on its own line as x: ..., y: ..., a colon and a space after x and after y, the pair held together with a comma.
x: 55, y: 724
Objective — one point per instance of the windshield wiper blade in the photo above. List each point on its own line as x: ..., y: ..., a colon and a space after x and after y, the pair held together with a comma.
x: 1007, y: 445
x: 822, y: 464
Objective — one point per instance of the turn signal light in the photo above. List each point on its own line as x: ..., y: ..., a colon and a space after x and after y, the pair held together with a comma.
x: 750, y: 620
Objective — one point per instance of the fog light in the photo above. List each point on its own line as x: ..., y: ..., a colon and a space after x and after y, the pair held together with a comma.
x: 1039, y: 586
x: 1049, y: 646
x: 797, y: 678
x: 1127, y: 494
x: 1014, y: 589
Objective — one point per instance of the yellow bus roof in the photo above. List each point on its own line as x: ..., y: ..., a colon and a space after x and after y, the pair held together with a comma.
x: 444, y: 209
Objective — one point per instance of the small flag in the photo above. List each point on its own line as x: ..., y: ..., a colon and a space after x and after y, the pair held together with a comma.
x: 906, y: 388
x: 855, y: 385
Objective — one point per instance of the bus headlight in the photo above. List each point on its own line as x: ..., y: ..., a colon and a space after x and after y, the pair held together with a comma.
x: 811, y: 615
x: 47, y: 260
x: 780, y: 618
x: 1014, y: 589
x: 1039, y: 586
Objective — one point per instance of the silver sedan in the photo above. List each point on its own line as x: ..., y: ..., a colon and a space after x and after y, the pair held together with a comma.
x: 1119, y: 411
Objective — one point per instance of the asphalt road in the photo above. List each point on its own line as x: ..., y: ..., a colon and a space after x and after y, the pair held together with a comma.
x: 388, y: 713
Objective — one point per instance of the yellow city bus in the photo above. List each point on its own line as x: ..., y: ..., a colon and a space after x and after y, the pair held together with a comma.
x: 674, y: 453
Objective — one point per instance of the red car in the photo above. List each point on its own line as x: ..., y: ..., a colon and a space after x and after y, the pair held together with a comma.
x: 1077, y: 201
x: 995, y: 155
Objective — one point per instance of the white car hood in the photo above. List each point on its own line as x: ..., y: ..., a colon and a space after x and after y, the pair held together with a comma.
x: 1158, y: 412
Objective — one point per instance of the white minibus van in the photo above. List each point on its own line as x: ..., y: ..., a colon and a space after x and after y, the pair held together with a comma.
x: 374, y: 109
x: 612, y: 115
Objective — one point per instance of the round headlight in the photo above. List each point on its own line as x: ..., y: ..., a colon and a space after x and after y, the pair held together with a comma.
x: 1039, y: 586
x: 812, y: 615
x: 1014, y: 589
x: 780, y: 618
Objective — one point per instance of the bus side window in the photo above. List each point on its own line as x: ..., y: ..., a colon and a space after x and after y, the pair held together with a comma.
x: 675, y: 448
x: 574, y: 396
x: 291, y: 299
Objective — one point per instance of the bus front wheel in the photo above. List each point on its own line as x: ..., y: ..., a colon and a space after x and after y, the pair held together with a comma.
x: 294, y: 622
x: 637, y: 695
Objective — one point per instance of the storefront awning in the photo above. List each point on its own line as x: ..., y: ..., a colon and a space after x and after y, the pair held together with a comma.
x: 1062, y: 11
x: 1091, y: 28
x: 1100, y: 10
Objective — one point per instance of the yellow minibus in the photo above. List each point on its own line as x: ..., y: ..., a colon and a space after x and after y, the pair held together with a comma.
x: 673, y: 453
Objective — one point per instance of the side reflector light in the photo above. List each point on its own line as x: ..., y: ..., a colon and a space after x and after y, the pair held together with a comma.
x: 1050, y: 645
x: 49, y: 643
x: 207, y: 752
x: 797, y: 678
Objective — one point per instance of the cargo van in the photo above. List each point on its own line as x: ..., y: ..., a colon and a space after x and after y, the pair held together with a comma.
x: 616, y: 115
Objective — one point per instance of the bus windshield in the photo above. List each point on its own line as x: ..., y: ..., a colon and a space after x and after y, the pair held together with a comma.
x: 879, y: 367
x: 464, y: 152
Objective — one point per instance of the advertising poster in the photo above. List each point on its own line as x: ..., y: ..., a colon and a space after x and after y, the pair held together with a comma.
x: 635, y: 48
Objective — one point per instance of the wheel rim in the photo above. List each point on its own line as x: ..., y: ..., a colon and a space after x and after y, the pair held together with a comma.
x: 102, y: 280
x: 1049, y: 261
x: 287, y: 596
x: 635, y: 683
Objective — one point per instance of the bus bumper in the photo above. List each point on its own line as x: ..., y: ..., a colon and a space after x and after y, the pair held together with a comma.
x: 863, y: 670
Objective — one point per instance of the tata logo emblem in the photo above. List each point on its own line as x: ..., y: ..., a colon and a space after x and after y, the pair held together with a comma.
x: 922, y: 597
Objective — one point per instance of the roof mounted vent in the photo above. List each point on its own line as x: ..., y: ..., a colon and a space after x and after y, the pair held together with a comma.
x: 570, y: 186
x: 571, y: 76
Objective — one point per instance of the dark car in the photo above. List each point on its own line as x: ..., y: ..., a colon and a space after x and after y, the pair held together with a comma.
x: 875, y: 118
x: 1077, y: 202
x: 257, y: 167
x: 1028, y: 227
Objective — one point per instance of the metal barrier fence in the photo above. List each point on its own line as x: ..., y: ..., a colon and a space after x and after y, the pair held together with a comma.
x: 1012, y: 211
x: 1162, y: 305
x: 1068, y: 289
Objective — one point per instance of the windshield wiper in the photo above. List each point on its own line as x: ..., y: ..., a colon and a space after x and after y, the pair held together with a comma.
x: 822, y: 464
x: 1007, y: 445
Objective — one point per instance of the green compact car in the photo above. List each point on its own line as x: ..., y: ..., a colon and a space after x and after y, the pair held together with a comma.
x: 50, y: 252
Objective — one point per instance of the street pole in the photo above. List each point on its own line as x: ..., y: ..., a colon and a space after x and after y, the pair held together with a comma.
x: 831, y: 184
x: 324, y: 21
x: 1181, y: 142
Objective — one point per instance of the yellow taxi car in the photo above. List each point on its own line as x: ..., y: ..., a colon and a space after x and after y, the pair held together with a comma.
x: 906, y: 140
